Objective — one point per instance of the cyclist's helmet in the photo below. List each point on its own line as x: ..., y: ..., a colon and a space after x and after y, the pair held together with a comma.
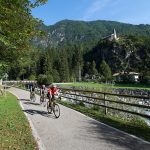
x: 43, y: 86
x: 53, y: 85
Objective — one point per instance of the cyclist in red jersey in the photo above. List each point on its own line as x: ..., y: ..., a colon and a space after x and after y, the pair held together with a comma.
x: 52, y: 92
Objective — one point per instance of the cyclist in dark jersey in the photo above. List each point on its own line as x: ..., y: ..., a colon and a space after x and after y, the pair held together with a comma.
x: 32, y: 90
x: 42, y: 93
x: 43, y: 89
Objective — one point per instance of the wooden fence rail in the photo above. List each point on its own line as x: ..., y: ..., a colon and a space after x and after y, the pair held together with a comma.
x: 73, y: 92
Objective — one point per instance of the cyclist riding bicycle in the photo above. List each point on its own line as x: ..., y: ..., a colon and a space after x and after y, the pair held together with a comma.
x: 42, y: 92
x: 52, y: 106
x: 32, y: 90
x: 52, y: 92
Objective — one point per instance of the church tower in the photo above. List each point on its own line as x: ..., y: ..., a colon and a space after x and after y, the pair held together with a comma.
x: 115, y: 35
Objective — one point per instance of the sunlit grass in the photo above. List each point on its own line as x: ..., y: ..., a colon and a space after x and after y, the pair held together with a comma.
x: 103, y: 85
x: 15, y: 132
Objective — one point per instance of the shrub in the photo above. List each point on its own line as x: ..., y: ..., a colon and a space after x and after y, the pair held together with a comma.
x: 32, y: 77
x: 44, y: 79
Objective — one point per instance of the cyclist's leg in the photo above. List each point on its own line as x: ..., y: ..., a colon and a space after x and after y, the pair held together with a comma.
x: 41, y: 98
x: 30, y: 95
x: 52, y: 100
x: 49, y: 99
x: 49, y: 108
x: 34, y: 97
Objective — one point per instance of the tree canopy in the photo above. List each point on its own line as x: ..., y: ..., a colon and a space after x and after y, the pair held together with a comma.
x: 17, y: 27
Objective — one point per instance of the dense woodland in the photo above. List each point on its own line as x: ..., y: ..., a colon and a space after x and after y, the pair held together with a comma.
x: 68, y: 50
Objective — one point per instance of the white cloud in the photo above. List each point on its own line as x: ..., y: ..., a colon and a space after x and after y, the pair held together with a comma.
x: 95, y: 7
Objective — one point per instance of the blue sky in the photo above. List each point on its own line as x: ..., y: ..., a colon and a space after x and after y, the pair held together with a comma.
x: 128, y: 11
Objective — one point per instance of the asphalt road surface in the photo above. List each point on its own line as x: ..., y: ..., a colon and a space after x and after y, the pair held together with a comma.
x: 74, y: 131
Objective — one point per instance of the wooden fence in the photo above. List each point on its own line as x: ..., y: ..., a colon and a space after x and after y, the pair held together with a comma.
x: 81, y: 95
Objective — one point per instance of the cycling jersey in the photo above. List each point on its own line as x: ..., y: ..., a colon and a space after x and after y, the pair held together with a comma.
x: 52, y: 91
x: 43, y: 90
x: 32, y: 89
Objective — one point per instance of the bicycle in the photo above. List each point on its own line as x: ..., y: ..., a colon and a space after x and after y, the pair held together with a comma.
x: 32, y: 96
x: 52, y: 106
x: 43, y: 100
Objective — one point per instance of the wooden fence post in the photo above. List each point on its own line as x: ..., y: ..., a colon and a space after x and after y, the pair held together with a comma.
x: 105, y: 103
x: 76, y: 97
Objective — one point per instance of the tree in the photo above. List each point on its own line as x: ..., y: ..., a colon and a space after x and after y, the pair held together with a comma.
x: 44, y: 79
x: 17, y: 27
x: 42, y: 63
x: 63, y: 67
x: 87, y: 68
x: 77, y: 61
x: 105, y: 71
x: 55, y: 75
x: 93, y: 68
x: 3, y: 70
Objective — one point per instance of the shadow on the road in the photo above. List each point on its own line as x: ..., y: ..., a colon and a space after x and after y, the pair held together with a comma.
x: 43, y: 113
x: 112, y: 137
x: 31, y: 103
x: 23, y: 99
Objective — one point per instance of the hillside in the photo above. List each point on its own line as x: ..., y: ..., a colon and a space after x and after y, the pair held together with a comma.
x: 88, y: 33
x: 129, y: 53
x: 72, y: 49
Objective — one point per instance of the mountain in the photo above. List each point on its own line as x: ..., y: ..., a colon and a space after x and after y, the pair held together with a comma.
x: 88, y: 33
x: 129, y: 53
x: 73, y: 48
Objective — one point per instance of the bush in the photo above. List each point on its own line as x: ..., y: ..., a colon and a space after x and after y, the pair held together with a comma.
x: 18, y: 79
x: 32, y: 77
x: 82, y: 104
x: 95, y: 108
x: 145, y: 79
x: 44, y: 79
x: 41, y: 79
x: 49, y: 79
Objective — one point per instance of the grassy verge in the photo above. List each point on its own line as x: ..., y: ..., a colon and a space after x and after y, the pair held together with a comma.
x: 99, y: 85
x: 135, y: 127
x: 15, y: 132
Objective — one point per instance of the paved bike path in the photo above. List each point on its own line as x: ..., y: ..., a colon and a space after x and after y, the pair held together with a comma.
x: 74, y: 131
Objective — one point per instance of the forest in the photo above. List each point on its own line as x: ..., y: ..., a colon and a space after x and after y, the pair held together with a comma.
x: 69, y: 50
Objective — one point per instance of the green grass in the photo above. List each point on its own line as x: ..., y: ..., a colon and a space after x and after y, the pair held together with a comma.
x: 99, y: 85
x: 15, y: 132
x: 135, y: 127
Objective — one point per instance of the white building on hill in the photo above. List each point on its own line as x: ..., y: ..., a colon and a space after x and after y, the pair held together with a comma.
x: 111, y: 37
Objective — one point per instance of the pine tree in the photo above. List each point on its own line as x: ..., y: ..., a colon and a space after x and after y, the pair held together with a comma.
x: 78, y: 62
x: 105, y: 71
x: 93, y: 68
x: 63, y: 67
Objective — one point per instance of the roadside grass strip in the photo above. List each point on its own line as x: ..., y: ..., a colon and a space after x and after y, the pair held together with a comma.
x: 135, y: 127
x: 92, y: 85
x: 15, y: 132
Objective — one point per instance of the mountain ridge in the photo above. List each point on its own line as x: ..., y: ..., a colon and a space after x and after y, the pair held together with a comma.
x: 83, y: 32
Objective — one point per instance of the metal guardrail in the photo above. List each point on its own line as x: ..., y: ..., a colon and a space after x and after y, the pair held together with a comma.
x: 74, y: 93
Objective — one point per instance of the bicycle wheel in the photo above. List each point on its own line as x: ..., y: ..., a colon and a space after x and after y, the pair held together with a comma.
x: 41, y: 100
x: 56, y: 110
x: 34, y: 98
x: 49, y: 109
x: 44, y: 102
